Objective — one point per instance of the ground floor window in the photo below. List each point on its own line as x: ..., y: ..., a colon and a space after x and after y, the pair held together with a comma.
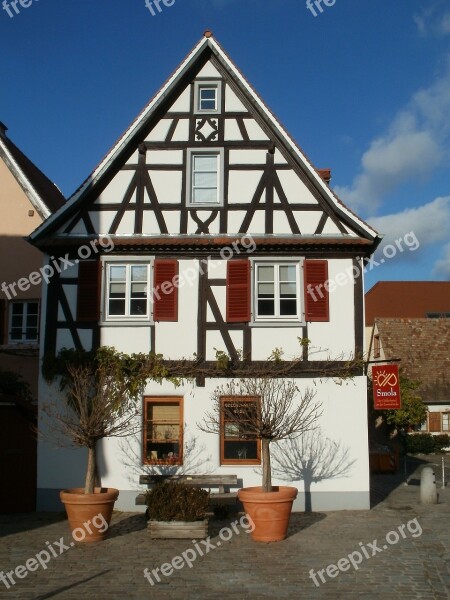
x: 238, y: 443
x: 23, y: 321
x: 163, y: 430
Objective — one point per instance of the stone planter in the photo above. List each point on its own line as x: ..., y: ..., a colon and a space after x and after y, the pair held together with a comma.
x: 180, y: 530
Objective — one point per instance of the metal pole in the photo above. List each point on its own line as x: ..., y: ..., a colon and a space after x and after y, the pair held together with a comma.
x: 405, y: 470
x: 443, y: 472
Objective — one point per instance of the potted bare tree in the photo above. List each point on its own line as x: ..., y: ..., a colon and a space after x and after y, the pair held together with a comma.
x: 279, y: 412
x: 100, y: 391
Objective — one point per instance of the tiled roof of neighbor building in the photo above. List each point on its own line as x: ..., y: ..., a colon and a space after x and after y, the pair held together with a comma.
x: 407, y: 299
x: 423, y: 345
x: 47, y: 191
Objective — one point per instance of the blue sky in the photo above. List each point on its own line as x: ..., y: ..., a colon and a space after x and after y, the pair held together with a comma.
x: 364, y: 88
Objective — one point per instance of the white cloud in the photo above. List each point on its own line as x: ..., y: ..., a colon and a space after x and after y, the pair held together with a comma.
x: 430, y: 222
x: 417, y: 228
x: 432, y: 20
x: 442, y: 266
x: 416, y: 142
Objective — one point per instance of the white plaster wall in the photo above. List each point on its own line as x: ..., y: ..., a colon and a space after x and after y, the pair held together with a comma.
x: 295, y: 189
x: 343, y: 420
x: 182, y: 103
x: 232, y: 102
x: 167, y: 185
x: 337, y: 337
x: 209, y: 70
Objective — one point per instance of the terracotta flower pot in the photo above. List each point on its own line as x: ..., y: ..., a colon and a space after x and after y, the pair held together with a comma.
x: 269, y: 511
x: 89, y: 514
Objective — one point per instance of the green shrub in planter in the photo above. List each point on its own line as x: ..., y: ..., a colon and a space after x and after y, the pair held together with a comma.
x: 420, y: 443
x: 174, y: 501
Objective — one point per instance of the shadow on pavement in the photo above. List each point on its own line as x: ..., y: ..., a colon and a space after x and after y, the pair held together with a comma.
x: 383, y: 484
x: 71, y: 586
x: 18, y: 522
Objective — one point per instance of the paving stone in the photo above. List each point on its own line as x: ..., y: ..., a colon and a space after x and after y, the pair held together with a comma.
x: 413, y: 568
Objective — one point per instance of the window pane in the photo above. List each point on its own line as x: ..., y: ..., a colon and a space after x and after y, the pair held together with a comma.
x: 117, y: 307
x: 117, y: 290
x: 266, y: 308
x: 205, y: 163
x: 288, y: 290
x: 32, y: 320
x: 138, y: 307
x: 241, y: 450
x: 266, y: 290
x: 208, y: 93
x: 139, y: 273
x: 265, y: 274
x: 117, y: 273
x: 288, y: 308
x: 32, y: 308
x: 208, y: 196
x: 17, y: 308
x: 16, y: 321
x: 31, y: 333
x: 16, y: 334
x: 163, y: 432
x: 138, y: 290
x: 207, y: 99
x: 288, y: 273
x: 205, y: 180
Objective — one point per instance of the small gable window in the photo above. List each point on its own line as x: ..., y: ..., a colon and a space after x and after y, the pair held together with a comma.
x: 205, y: 178
x: 207, y: 96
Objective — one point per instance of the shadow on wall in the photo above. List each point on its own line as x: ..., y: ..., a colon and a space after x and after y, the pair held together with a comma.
x: 310, y: 458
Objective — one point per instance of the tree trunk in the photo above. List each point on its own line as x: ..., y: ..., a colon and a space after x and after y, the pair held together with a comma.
x: 267, y: 471
x: 91, y: 471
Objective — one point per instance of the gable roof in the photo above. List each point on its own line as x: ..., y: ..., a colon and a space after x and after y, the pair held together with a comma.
x: 407, y: 299
x: 205, y: 48
x: 423, y: 345
x: 42, y: 193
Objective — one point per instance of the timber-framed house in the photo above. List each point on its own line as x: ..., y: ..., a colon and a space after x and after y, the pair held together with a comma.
x: 205, y: 234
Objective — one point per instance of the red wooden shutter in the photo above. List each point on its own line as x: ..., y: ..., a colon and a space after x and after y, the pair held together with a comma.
x: 88, y: 296
x: 316, y: 296
x: 3, y: 322
x: 238, y: 291
x: 165, y: 290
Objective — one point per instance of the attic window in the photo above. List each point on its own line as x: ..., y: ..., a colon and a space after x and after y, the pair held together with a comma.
x: 205, y: 178
x: 207, y: 96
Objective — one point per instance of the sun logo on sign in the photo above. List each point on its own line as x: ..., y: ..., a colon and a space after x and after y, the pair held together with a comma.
x: 383, y: 379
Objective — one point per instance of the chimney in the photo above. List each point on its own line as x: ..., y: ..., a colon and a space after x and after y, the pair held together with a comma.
x: 325, y: 174
x: 3, y: 129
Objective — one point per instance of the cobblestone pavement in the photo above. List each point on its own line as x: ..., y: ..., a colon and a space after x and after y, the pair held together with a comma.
x: 413, y: 567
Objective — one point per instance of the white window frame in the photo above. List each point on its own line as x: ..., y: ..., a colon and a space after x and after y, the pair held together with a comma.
x: 23, y: 339
x: 193, y: 152
x: 127, y: 261
x: 447, y: 415
x: 278, y: 320
x: 207, y: 84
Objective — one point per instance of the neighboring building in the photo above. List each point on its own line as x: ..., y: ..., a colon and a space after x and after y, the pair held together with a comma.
x: 406, y: 300
x: 27, y: 198
x: 423, y: 347
x: 214, y: 233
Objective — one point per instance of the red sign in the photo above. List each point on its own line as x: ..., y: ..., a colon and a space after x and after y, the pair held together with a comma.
x: 386, y: 387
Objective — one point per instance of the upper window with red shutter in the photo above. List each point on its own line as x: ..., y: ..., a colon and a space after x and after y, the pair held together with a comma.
x: 238, y: 291
x: 316, y: 292
x: 277, y: 295
x: 165, y: 290
x: 127, y: 290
